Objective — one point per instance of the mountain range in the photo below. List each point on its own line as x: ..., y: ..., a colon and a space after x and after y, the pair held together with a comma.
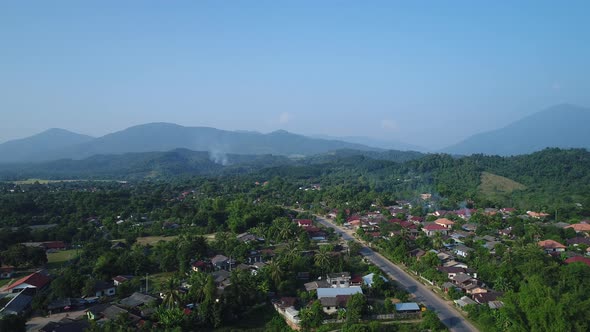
x: 562, y: 126
x: 61, y: 144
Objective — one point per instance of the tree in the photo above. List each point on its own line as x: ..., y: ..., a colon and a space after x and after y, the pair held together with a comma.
x: 322, y: 259
x: 430, y: 321
x: 355, y: 307
x: 312, y: 316
x: 171, y: 294
x: 275, y: 271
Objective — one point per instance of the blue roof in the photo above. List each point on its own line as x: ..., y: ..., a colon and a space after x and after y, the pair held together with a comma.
x: 333, y: 292
x: 409, y: 306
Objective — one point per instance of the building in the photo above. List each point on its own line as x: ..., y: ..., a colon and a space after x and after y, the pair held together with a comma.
x: 341, y: 279
x: 35, y: 280
x: 551, y: 246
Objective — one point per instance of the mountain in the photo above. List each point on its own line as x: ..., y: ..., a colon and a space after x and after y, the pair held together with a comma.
x: 40, y: 146
x: 378, y: 143
x: 165, y: 137
x: 562, y: 126
x: 141, y: 165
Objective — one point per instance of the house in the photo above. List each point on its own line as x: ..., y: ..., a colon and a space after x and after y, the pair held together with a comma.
x: 464, y: 301
x: 220, y: 276
x: 121, y: 279
x: 35, y: 280
x: 220, y: 262
x: 246, y: 237
x: 6, y: 271
x: 452, y: 271
x: 286, y: 308
x: 334, y: 298
x: 331, y: 305
x: 485, y: 298
x: 551, y: 246
x: 537, y: 215
x: 408, y: 307
x: 578, y: 240
x: 417, y: 253
x: 470, y: 227
x: 462, y: 251
x: 103, y: 288
x: 446, y: 223
x: 66, y: 325
x: 20, y: 304
x: 432, y: 229
x: 578, y: 259
x: 341, y: 279
x: 368, y: 279
x: 52, y: 246
x: 137, y: 300
x: 580, y: 228
x: 64, y: 304
x: 304, y: 222
x: 109, y: 312
x: 199, y: 266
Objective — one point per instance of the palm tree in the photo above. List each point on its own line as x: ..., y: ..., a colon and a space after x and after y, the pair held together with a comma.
x: 171, y: 294
x: 198, y: 281
x: 437, y: 240
x: 322, y: 259
x: 290, y: 252
x: 275, y: 271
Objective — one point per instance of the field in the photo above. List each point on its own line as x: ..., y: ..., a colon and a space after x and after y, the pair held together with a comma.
x: 58, y: 259
x: 151, y: 240
x: 492, y: 184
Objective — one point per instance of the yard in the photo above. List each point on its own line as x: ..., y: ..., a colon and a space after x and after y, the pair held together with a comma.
x: 56, y: 260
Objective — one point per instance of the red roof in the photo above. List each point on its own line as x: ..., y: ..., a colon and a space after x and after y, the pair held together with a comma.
x: 581, y: 227
x: 435, y: 227
x: 444, y: 221
x: 54, y: 245
x: 304, y: 222
x: 6, y: 268
x: 199, y: 264
x: 578, y: 259
x: 35, y: 279
x: 395, y: 220
x: 550, y: 244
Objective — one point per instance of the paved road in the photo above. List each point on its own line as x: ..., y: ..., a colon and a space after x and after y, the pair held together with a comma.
x: 446, y: 312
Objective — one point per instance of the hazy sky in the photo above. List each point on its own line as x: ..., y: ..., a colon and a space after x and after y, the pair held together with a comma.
x: 424, y: 72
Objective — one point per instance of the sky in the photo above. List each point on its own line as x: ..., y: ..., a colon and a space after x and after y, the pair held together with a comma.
x: 428, y: 73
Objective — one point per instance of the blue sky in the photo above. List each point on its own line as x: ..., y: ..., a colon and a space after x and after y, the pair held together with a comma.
x: 423, y: 72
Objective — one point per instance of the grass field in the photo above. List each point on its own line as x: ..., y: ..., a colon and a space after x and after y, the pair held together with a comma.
x: 58, y: 259
x: 151, y: 240
x: 492, y: 184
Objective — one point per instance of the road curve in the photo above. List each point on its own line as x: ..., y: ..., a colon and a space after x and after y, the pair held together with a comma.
x: 447, y: 313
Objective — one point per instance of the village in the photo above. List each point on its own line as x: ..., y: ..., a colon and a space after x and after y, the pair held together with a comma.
x: 311, y: 275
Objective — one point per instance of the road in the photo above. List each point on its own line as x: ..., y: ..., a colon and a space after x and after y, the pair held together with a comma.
x: 446, y: 312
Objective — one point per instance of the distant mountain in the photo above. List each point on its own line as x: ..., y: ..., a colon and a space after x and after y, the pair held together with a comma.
x: 165, y: 137
x: 562, y: 126
x: 40, y: 146
x: 377, y: 143
x: 141, y: 165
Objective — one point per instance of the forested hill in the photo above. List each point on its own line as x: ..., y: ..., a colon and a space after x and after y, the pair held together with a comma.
x: 549, y: 179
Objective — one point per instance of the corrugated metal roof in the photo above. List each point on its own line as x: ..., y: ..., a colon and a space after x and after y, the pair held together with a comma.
x: 408, y: 306
x: 333, y: 292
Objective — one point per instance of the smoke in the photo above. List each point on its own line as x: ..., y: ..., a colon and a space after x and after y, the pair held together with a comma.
x: 463, y: 206
x: 219, y: 157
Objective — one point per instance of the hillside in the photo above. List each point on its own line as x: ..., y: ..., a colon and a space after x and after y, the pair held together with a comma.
x: 161, y: 137
x: 40, y: 146
x: 562, y: 126
x: 493, y: 186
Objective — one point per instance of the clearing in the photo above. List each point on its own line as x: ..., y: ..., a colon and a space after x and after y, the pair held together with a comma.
x: 492, y: 184
x: 58, y: 259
